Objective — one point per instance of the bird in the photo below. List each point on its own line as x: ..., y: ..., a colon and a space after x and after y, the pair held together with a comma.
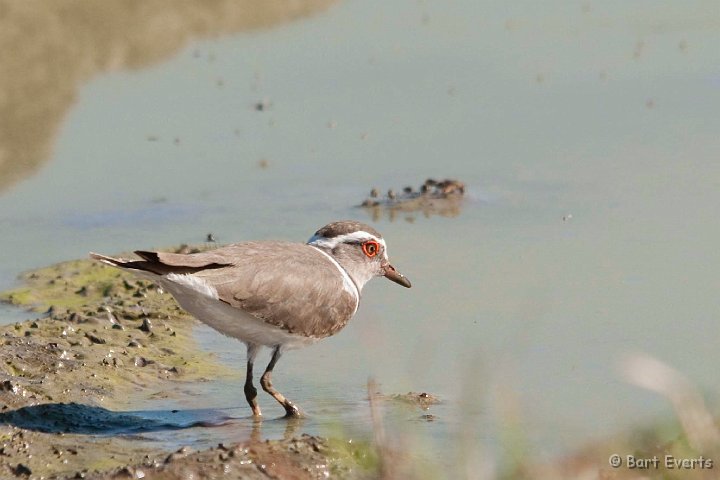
x: 275, y: 294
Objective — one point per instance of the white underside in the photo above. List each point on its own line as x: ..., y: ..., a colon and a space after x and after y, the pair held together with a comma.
x: 201, y: 300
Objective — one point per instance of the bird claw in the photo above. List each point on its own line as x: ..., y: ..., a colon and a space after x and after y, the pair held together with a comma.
x: 291, y: 411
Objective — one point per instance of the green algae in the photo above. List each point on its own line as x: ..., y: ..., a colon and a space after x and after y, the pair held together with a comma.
x: 69, y: 285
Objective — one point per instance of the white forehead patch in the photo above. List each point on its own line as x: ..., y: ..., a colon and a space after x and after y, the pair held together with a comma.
x: 359, y: 236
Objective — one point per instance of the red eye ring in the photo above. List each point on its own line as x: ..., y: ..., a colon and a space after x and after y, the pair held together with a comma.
x: 371, y: 248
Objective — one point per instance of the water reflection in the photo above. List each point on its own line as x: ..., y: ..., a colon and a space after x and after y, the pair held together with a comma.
x: 292, y: 428
x: 93, y: 420
x: 433, y: 197
x: 49, y: 49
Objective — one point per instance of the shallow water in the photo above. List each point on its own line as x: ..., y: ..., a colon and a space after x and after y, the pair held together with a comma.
x: 587, y: 137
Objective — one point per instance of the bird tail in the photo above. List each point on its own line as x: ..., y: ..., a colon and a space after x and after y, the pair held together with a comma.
x: 113, y: 262
x: 159, y: 263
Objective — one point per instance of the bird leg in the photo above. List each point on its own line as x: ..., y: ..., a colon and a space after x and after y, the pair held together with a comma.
x: 290, y: 409
x: 250, y: 390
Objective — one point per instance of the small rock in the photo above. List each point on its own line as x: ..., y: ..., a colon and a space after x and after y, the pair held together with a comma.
x: 168, y: 368
x: 146, y: 325
x: 7, y: 386
x: 113, y: 320
x: 125, y: 472
x: 22, y: 470
x: 94, y: 338
x: 182, y: 452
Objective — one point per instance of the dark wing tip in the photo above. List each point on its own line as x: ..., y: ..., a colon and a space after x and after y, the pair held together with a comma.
x: 149, y: 256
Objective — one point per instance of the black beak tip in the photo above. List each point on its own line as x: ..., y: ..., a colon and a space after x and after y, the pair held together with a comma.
x: 397, y: 277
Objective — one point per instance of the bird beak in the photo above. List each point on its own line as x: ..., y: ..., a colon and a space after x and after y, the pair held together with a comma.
x: 391, y: 274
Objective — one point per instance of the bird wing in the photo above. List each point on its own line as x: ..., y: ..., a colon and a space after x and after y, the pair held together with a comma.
x: 289, y: 285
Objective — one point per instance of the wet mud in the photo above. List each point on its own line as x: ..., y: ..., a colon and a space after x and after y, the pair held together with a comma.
x: 301, y: 457
x: 103, y: 342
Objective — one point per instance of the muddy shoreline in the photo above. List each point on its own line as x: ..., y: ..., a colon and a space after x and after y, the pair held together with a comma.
x: 101, y: 340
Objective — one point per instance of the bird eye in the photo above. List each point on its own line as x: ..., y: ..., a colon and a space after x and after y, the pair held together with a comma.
x: 370, y: 248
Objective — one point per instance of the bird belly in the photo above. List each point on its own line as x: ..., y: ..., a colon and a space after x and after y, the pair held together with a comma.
x: 231, y: 321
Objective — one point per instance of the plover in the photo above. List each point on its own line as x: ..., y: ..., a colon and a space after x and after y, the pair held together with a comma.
x: 279, y: 295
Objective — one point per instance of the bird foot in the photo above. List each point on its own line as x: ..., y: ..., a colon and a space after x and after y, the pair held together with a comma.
x: 292, y: 411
